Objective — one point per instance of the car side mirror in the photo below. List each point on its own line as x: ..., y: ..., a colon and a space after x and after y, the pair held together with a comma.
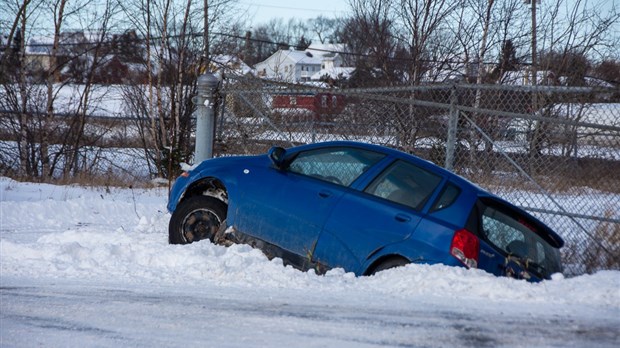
x: 276, y: 155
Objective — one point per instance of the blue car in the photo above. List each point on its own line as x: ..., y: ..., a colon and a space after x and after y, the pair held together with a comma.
x: 360, y: 207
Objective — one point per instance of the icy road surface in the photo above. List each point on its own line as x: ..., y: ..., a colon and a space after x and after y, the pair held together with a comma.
x: 92, y: 267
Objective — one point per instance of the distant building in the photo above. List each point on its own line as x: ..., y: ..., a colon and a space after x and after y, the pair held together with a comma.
x: 230, y: 63
x: 319, y: 105
x: 333, y: 74
x: 299, y: 66
x: 38, y: 56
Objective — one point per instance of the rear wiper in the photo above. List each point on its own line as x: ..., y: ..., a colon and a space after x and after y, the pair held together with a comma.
x: 532, y: 266
x: 528, y: 264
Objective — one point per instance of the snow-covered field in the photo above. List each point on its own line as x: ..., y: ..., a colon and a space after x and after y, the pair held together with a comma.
x: 92, y: 267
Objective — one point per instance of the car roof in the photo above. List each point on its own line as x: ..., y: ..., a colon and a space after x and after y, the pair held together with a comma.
x: 393, y: 153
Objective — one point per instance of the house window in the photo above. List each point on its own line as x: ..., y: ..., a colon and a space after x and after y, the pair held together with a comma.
x: 334, y: 101
x: 293, y: 100
x: 324, y: 101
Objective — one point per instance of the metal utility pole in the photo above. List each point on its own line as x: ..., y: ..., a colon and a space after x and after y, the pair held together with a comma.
x: 205, y: 117
x: 204, y: 100
x: 452, y: 128
x: 534, y: 60
x: 205, y: 39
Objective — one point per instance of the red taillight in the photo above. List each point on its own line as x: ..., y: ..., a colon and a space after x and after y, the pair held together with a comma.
x: 465, y: 247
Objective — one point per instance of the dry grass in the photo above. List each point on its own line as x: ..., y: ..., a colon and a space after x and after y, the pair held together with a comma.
x: 604, y: 251
x: 94, y: 180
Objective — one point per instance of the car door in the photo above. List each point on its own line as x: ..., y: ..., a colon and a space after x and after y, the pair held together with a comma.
x: 385, y: 212
x: 289, y: 208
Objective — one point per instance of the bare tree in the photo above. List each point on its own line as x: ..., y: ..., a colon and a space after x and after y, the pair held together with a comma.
x: 422, y: 20
x: 323, y: 28
x: 26, y: 164
x: 174, y: 60
x: 484, y: 121
x: 58, y: 9
x: 19, y: 15
x: 571, y: 33
x: 369, y: 33
x: 38, y: 83
x: 75, y: 138
x: 608, y: 70
x: 509, y: 37
x: 578, y: 26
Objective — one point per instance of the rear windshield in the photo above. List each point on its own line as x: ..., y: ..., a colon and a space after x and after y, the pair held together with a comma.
x: 518, y: 238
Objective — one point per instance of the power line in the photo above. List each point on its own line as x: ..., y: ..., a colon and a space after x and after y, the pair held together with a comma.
x: 121, y: 40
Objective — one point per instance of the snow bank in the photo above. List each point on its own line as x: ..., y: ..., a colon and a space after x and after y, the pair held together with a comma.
x: 121, y: 234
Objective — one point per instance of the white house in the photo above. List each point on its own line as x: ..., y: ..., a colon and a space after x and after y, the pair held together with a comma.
x: 331, y: 54
x: 299, y: 66
x: 333, y: 73
x: 229, y: 63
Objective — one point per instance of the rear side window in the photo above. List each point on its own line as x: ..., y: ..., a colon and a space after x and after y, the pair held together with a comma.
x: 515, y: 237
x: 446, y: 198
x: 338, y: 165
x: 406, y: 184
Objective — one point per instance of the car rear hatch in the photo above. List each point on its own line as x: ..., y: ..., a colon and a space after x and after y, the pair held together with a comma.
x: 512, y: 242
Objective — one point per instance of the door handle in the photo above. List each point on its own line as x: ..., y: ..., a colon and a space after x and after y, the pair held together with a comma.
x: 325, y: 193
x: 402, y: 218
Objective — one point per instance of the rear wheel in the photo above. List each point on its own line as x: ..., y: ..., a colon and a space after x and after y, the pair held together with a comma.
x: 392, y: 262
x: 196, y: 218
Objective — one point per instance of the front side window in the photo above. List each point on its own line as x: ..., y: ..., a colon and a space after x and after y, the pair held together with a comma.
x: 337, y: 165
x: 406, y: 184
x: 515, y: 237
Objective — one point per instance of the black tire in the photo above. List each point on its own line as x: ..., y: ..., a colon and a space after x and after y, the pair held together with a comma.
x: 196, y: 218
x: 392, y: 262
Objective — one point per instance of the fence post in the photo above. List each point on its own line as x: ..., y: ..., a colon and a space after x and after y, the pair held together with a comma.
x: 452, y: 127
x: 205, y: 118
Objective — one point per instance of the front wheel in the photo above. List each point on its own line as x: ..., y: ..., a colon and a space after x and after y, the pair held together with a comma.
x: 196, y: 218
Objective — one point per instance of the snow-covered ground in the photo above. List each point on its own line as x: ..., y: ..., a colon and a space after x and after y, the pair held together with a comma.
x: 92, y: 267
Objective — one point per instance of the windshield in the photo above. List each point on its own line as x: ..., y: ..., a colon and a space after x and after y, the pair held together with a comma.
x: 517, y: 237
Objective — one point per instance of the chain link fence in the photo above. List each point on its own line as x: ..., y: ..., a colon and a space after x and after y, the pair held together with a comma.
x: 554, y: 151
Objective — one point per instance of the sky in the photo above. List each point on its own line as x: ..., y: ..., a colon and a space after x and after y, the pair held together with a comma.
x: 262, y: 11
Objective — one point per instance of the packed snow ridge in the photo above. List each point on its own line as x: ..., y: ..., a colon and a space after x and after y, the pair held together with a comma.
x: 113, y: 234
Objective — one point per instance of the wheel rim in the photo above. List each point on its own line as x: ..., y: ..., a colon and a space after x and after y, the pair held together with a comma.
x: 200, y: 224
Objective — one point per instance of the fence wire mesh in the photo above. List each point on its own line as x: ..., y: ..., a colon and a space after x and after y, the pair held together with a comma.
x: 554, y: 151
